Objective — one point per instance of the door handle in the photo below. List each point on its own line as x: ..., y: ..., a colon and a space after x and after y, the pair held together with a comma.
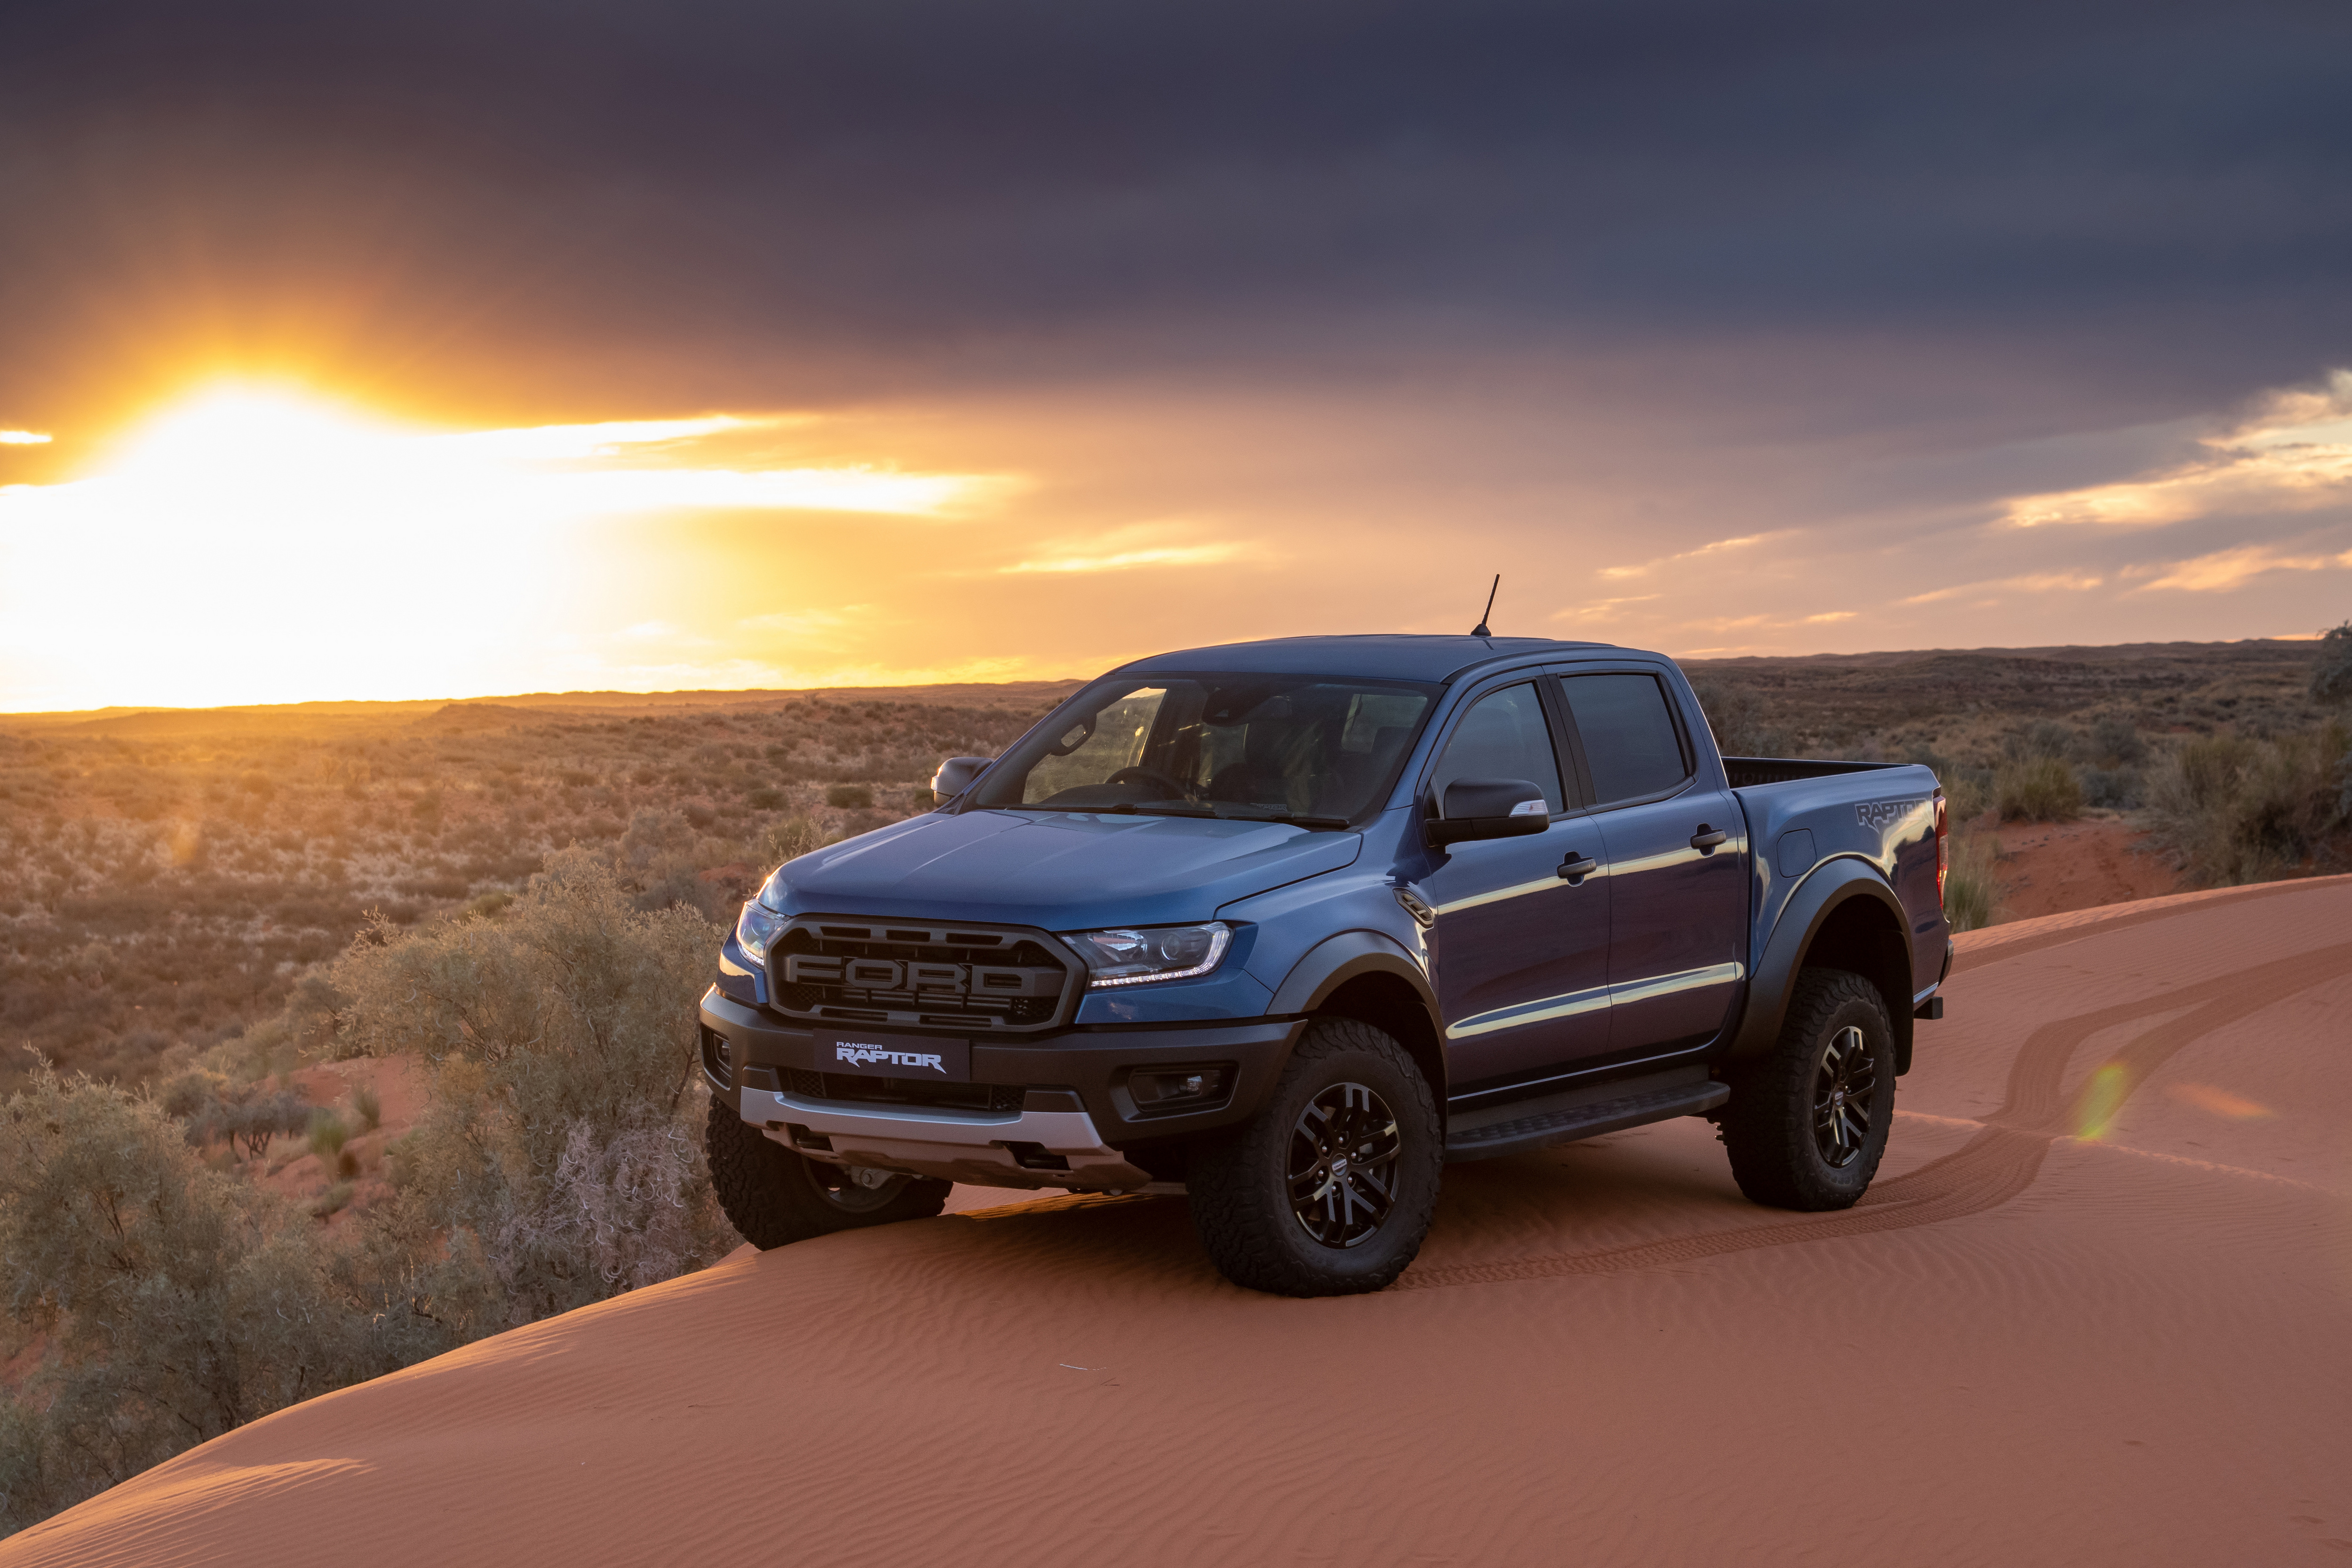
x: 1576, y: 868
x: 1707, y: 839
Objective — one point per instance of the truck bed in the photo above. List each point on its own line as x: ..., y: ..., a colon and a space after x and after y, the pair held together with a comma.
x: 1747, y: 772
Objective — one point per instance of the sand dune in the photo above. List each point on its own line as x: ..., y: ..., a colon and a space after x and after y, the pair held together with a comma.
x: 2098, y: 1310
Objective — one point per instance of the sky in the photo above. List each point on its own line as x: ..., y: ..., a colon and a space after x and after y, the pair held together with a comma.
x: 442, y: 349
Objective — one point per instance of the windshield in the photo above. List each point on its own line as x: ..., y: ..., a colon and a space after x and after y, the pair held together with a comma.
x: 1218, y: 746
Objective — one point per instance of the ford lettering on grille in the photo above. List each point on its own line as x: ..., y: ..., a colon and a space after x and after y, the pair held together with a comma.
x: 915, y: 976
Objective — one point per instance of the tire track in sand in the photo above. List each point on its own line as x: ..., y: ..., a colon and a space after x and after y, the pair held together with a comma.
x: 1998, y: 1162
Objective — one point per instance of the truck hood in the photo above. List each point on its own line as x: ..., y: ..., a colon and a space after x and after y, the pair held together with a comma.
x: 1060, y: 871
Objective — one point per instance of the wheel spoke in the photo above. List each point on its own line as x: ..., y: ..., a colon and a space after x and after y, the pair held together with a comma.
x: 1843, y: 1086
x: 1343, y: 1153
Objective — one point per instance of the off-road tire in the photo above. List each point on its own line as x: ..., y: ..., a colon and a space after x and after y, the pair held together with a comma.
x: 1774, y: 1124
x: 1240, y: 1185
x: 774, y: 1196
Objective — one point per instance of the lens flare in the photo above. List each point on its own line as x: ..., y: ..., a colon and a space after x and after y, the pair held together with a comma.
x: 2102, y: 1097
x: 2220, y: 1103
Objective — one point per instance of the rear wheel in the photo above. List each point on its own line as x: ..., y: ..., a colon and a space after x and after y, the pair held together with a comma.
x: 1329, y: 1190
x: 1806, y: 1126
x: 774, y: 1196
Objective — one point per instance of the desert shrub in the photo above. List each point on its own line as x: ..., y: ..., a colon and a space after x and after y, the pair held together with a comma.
x: 1738, y: 716
x: 490, y: 905
x: 334, y: 1200
x: 2236, y: 810
x: 766, y: 799
x: 556, y: 1157
x: 328, y: 1135
x: 2113, y: 740
x: 1968, y: 795
x: 2039, y: 789
x: 177, y: 1301
x: 2037, y: 740
x: 1970, y: 883
x: 184, y: 1095
x: 367, y: 1105
x: 849, y: 797
x: 789, y: 839
x: 2118, y: 789
x: 2331, y: 673
x: 249, y: 1115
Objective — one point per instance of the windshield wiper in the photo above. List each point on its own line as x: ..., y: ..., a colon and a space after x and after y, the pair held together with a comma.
x: 1296, y: 818
x: 1230, y: 814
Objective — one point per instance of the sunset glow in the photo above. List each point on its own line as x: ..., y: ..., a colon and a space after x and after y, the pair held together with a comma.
x: 258, y: 544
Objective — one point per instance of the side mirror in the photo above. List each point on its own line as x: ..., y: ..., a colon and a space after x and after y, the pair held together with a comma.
x: 1489, y: 808
x: 955, y: 776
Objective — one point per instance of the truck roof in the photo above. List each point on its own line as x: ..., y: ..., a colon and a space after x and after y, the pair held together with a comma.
x: 1390, y: 656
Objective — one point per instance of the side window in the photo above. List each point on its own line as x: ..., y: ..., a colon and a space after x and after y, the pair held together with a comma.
x: 1504, y: 736
x: 1630, y: 741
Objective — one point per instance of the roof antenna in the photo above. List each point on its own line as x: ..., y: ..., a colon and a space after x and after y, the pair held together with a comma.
x: 1480, y: 629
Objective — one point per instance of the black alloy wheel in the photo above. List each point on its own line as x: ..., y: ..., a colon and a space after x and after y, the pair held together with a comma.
x: 1843, y: 1090
x: 1343, y: 1154
x: 1328, y: 1189
x: 1807, y: 1122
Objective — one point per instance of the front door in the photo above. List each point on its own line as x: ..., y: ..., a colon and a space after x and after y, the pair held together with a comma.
x: 1521, y: 954
x: 1678, y: 887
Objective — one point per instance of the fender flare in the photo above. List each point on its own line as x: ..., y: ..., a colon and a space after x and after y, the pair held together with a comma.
x: 1826, y: 888
x: 1335, y: 960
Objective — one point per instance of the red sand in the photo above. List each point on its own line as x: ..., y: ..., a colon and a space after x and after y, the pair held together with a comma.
x: 2023, y: 1348
x: 2047, y: 869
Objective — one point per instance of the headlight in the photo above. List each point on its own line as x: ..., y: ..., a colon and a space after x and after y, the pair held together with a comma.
x: 1137, y: 955
x: 756, y: 928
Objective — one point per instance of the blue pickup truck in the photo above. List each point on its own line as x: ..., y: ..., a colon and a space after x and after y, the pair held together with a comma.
x: 1287, y: 926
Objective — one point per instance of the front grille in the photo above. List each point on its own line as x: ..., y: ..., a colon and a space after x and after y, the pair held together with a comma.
x: 856, y: 971
x: 1004, y: 1097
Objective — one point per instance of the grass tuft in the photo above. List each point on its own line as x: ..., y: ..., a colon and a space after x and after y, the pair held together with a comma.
x: 2037, y: 789
x: 1971, y: 886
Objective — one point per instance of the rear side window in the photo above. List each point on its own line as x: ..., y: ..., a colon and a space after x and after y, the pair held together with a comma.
x: 1504, y: 736
x: 1630, y: 741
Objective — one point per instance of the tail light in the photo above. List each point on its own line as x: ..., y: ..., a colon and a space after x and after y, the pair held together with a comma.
x: 1942, y: 844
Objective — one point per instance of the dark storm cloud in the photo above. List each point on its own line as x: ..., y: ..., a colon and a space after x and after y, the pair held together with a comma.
x: 704, y: 201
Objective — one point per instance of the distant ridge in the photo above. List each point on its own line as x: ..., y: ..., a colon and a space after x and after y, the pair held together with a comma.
x: 527, y: 708
x: 2124, y: 664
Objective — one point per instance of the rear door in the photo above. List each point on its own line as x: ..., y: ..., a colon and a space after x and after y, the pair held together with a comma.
x: 1521, y: 954
x: 1678, y: 890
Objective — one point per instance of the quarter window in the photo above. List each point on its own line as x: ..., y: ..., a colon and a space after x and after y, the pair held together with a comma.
x: 1629, y: 740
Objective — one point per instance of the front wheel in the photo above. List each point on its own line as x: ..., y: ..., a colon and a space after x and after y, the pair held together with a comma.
x: 1806, y: 1125
x: 1329, y: 1190
x: 774, y: 1196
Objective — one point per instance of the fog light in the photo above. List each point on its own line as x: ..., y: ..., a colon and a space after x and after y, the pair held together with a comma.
x: 1170, y: 1089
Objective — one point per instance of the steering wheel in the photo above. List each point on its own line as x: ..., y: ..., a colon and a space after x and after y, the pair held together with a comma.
x: 1153, y: 776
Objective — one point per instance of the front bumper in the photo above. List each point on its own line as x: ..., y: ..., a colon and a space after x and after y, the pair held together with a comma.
x: 1027, y: 1147
x: 1076, y: 1125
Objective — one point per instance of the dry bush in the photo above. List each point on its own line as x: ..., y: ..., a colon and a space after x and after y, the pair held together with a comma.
x: 244, y: 1113
x: 178, y: 1301
x: 2236, y: 810
x: 556, y: 1155
x: 2037, y: 789
x: 1971, y: 883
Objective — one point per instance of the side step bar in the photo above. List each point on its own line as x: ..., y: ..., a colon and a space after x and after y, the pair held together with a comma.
x: 1568, y: 1124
